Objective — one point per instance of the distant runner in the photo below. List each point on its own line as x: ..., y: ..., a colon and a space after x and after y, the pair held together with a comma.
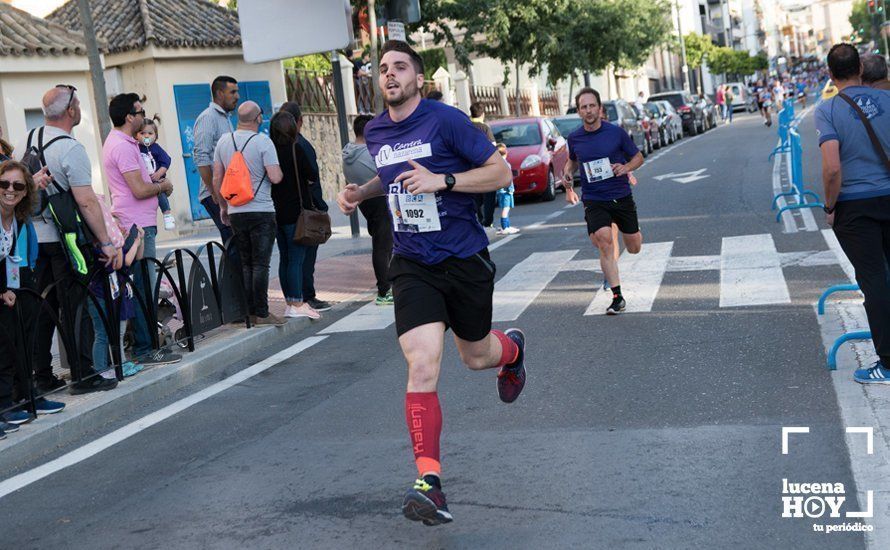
x: 606, y: 155
x: 430, y: 161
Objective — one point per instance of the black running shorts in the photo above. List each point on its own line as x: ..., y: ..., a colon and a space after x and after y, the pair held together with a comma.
x: 622, y: 212
x: 456, y: 291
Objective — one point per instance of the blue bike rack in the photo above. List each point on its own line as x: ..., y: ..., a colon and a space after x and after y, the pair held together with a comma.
x: 798, y: 188
x: 856, y: 335
x: 831, y: 290
x: 832, y: 353
x: 786, y: 118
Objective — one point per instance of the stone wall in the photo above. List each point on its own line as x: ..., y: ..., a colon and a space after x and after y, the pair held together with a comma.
x: 323, y: 132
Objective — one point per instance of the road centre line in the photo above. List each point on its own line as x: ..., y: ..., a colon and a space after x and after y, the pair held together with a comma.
x: 95, y: 447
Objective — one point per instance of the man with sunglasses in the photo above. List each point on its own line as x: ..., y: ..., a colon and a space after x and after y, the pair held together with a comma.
x: 67, y: 163
x: 135, y: 200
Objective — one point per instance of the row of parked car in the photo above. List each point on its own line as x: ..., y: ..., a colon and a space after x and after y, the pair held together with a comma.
x: 537, y: 149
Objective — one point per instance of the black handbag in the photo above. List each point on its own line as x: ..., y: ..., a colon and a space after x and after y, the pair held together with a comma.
x: 313, y: 225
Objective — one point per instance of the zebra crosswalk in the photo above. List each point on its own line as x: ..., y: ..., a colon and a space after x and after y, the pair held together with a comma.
x: 750, y: 267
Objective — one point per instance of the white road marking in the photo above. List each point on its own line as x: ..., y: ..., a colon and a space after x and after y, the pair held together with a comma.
x: 368, y: 317
x: 678, y: 264
x: 751, y: 272
x: 685, y: 177
x: 838, y: 252
x: 515, y: 291
x: 95, y: 447
x: 787, y: 218
x: 641, y: 275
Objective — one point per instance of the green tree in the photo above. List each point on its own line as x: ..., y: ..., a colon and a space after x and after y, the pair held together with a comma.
x: 697, y: 49
x: 514, y: 33
x: 861, y: 21
x: 313, y: 62
x: 723, y: 60
x: 433, y: 58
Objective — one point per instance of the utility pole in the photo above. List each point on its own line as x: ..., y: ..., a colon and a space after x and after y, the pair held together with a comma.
x: 97, y: 76
x: 375, y: 62
x: 340, y: 98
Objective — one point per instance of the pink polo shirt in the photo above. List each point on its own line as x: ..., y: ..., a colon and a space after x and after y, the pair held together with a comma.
x: 120, y: 155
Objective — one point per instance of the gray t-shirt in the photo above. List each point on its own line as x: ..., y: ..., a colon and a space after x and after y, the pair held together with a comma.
x: 69, y: 165
x: 211, y: 124
x: 863, y: 172
x: 258, y: 154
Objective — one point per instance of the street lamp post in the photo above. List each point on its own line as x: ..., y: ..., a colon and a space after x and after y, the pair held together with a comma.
x: 685, y: 69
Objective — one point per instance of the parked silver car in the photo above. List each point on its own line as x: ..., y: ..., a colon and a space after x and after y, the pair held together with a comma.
x: 674, y: 122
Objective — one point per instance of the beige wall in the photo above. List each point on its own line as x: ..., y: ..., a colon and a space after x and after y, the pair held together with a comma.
x: 323, y: 133
x: 20, y: 91
x: 155, y: 79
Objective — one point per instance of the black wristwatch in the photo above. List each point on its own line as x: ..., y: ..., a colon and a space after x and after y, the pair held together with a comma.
x: 449, y: 182
x: 829, y: 210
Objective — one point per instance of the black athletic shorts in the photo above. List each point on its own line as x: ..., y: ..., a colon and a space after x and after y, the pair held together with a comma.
x: 622, y: 212
x: 456, y: 291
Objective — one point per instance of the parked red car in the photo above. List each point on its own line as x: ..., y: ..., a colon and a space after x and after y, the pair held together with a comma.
x: 537, y: 154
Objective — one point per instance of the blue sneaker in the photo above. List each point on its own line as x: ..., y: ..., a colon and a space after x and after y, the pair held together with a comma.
x: 15, y: 417
x: 130, y: 368
x: 875, y: 374
x: 8, y: 428
x: 45, y: 406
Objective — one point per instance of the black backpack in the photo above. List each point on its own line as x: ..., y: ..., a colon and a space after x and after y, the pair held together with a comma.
x: 75, y: 235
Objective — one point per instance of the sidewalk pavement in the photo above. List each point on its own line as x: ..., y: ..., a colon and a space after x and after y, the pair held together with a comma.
x: 343, y: 274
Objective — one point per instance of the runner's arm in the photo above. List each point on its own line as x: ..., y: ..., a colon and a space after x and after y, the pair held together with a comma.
x: 350, y: 197
x: 494, y: 174
x: 568, y: 171
x: 831, y: 171
x: 622, y: 169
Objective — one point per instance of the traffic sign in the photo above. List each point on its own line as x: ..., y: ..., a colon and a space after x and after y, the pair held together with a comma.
x: 309, y: 25
x: 396, y: 31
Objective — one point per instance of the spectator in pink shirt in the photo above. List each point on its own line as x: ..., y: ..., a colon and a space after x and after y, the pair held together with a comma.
x: 134, y: 202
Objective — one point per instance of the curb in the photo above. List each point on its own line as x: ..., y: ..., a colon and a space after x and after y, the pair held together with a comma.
x: 39, y: 438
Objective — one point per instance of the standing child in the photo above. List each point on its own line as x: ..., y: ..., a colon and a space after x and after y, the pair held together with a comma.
x: 505, y: 199
x: 158, y: 162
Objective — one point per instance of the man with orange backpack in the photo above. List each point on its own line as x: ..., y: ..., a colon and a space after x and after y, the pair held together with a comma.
x: 245, y: 165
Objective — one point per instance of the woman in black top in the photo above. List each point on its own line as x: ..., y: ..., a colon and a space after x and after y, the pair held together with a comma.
x: 288, y: 203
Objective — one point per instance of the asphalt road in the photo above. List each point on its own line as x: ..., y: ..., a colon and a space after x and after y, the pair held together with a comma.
x: 655, y: 429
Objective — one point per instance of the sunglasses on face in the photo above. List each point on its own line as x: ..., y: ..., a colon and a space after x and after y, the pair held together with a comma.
x: 137, y: 113
x: 16, y: 185
x: 71, y: 97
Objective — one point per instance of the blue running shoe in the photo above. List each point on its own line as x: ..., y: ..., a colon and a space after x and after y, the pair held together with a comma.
x: 8, y: 428
x: 45, y: 406
x: 875, y: 374
x: 15, y: 417
x: 511, y: 378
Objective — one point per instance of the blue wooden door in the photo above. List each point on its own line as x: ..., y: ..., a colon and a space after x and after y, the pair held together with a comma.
x: 191, y: 100
x: 260, y: 93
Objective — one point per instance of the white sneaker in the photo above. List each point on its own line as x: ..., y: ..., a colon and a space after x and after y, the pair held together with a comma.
x: 500, y: 232
x: 511, y: 230
x: 305, y: 310
x: 169, y: 222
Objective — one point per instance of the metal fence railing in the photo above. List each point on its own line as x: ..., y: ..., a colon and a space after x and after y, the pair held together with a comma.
x: 490, y: 99
x: 549, y: 103
x: 313, y: 90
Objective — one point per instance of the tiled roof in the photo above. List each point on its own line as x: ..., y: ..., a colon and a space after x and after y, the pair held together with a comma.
x: 22, y: 34
x: 133, y: 24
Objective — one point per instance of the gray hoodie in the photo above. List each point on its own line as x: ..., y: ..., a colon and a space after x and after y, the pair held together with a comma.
x: 358, y: 166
